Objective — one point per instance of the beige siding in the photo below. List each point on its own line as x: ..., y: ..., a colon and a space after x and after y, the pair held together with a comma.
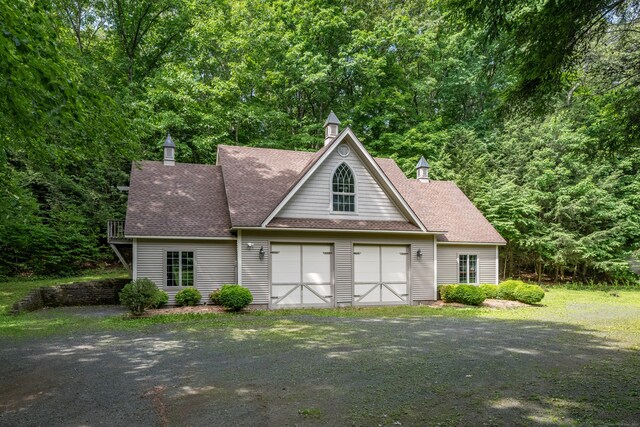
x: 215, y: 263
x: 256, y: 274
x: 313, y: 199
x: 448, y: 262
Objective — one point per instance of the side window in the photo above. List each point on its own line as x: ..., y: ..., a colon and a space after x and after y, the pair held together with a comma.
x: 343, y: 189
x: 180, y: 271
x: 467, y: 268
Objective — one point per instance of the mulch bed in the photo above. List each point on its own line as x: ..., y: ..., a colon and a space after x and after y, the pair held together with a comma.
x: 490, y: 303
x: 183, y: 310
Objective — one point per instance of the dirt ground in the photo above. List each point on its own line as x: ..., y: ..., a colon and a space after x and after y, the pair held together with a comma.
x: 312, y: 370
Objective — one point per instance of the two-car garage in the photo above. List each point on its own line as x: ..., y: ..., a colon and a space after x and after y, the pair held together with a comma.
x: 303, y: 275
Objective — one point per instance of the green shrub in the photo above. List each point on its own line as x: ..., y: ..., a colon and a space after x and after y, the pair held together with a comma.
x: 463, y: 294
x: 188, y: 296
x: 489, y: 290
x: 234, y: 297
x: 469, y: 295
x: 529, y: 294
x: 506, y: 289
x: 445, y: 290
x: 139, y: 295
x: 163, y: 299
x: 215, y: 297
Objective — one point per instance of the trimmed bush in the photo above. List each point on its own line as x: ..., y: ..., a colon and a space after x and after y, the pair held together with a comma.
x: 188, y: 296
x: 163, y: 299
x: 463, y: 294
x: 215, y: 297
x: 506, y: 289
x: 489, y: 290
x: 445, y: 290
x: 234, y: 297
x: 139, y: 295
x: 529, y: 294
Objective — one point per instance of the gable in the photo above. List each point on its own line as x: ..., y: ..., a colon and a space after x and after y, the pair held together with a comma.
x: 313, y: 199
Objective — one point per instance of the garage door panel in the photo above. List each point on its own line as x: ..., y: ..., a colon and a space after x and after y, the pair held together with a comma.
x: 316, y: 264
x: 394, y: 264
x: 366, y: 263
x: 301, y: 275
x: 314, y: 295
x: 291, y: 294
x: 285, y: 264
x: 380, y: 274
x: 367, y: 293
x: 394, y: 293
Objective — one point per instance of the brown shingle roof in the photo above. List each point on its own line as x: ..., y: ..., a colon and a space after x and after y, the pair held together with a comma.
x: 257, y: 179
x: 342, y: 224
x: 441, y: 205
x: 182, y: 200
x: 192, y: 200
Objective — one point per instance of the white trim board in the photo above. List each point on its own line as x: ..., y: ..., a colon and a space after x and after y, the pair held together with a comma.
x: 368, y: 160
x: 471, y: 243
x: 180, y: 238
x: 348, y: 230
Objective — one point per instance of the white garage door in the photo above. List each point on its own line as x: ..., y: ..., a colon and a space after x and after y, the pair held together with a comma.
x: 301, y: 275
x: 380, y: 274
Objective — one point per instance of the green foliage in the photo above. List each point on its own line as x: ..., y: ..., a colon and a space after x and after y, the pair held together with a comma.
x: 188, y: 297
x: 463, y: 294
x: 140, y: 295
x: 234, y: 297
x: 162, y: 300
x: 215, y: 297
x: 528, y: 294
x: 506, y: 289
x: 489, y: 290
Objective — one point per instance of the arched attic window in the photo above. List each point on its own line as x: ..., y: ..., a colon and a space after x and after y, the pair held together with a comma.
x: 343, y: 189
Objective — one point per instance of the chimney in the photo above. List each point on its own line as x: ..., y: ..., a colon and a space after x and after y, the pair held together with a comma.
x: 331, y: 128
x: 422, y: 170
x: 169, y: 151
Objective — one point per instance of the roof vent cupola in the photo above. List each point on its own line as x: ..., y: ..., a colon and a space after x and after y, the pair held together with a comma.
x: 422, y: 170
x: 331, y: 129
x: 169, y: 151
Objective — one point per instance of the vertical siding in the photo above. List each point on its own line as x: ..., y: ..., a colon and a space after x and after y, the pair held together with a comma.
x: 422, y: 287
x: 448, y: 262
x: 256, y: 274
x: 255, y: 271
x: 313, y: 199
x: 215, y: 263
x: 343, y: 272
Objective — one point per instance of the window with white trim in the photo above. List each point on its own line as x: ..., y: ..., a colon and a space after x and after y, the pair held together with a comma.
x: 343, y: 189
x: 180, y: 271
x: 467, y: 268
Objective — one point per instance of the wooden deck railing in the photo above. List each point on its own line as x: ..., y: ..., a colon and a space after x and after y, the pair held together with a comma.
x: 115, y: 231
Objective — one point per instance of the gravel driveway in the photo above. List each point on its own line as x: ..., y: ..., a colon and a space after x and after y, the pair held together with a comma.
x: 309, y: 370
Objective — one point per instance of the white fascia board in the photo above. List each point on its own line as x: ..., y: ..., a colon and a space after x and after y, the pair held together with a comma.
x: 472, y: 243
x: 390, y: 187
x: 180, y: 237
x: 294, y: 190
x: 372, y: 163
x: 347, y: 230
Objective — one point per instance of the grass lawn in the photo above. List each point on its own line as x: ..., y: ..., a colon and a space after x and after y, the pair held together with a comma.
x: 575, y: 360
x: 14, y: 290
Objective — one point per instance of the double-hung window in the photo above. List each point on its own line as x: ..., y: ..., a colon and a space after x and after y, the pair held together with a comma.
x: 343, y: 188
x: 467, y: 268
x: 180, y: 271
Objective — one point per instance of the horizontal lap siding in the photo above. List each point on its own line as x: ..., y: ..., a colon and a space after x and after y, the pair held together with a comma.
x: 215, y: 263
x: 256, y: 275
x: 448, y: 262
x: 313, y: 200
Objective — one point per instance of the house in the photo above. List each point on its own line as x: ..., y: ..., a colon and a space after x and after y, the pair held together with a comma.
x: 300, y: 229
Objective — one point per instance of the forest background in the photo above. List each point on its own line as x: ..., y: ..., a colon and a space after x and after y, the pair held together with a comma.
x: 532, y: 107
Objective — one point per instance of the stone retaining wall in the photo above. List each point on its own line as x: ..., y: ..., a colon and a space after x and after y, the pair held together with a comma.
x: 97, y: 292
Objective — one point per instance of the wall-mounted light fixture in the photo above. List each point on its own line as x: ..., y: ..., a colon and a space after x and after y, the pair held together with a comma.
x: 419, y: 253
x: 250, y: 245
x: 261, y: 253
